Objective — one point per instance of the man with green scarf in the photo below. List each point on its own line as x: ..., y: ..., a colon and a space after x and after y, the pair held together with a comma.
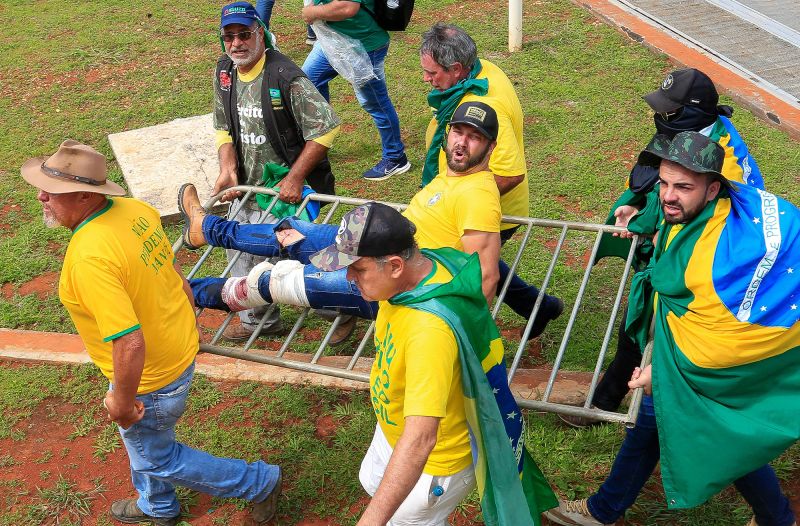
x: 450, y: 64
x: 446, y: 417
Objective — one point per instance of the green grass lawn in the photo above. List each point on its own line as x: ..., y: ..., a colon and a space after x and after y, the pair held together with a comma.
x: 88, y: 69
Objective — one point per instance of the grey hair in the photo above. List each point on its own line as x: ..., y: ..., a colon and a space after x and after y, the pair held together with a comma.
x: 406, y: 254
x: 448, y: 44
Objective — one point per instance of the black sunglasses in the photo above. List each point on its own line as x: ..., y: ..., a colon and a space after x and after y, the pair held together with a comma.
x: 243, y: 35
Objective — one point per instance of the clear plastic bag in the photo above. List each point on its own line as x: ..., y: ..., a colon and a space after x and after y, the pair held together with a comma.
x: 345, y: 54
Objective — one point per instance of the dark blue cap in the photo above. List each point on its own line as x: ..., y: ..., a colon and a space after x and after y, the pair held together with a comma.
x: 238, y: 13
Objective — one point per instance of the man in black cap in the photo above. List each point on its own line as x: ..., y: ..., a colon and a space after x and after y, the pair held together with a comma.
x: 686, y: 101
x: 427, y: 368
x: 458, y: 209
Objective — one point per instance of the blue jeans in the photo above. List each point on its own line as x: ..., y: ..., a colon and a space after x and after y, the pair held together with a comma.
x: 259, y: 239
x: 324, y: 290
x: 373, y: 96
x: 637, y: 458
x: 159, y: 462
x: 264, y: 10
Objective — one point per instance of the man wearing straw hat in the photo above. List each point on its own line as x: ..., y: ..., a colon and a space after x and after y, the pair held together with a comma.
x: 133, y: 309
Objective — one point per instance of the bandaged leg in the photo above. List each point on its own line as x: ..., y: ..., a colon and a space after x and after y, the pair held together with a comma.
x: 242, y: 293
x: 287, y: 283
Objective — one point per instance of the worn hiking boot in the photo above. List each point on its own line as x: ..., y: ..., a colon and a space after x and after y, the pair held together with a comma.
x: 265, y: 510
x: 541, y: 321
x: 240, y: 333
x: 193, y: 214
x: 127, y: 511
x: 572, y: 513
x: 579, y: 422
x: 343, y: 331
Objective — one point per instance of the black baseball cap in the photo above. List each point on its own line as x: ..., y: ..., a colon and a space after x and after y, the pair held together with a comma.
x: 684, y: 87
x: 478, y: 115
x: 370, y: 230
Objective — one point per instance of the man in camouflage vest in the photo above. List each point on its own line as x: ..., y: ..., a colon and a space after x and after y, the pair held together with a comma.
x: 266, y: 112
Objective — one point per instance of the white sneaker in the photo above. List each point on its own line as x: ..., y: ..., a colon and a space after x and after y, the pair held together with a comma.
x: 572, y: 513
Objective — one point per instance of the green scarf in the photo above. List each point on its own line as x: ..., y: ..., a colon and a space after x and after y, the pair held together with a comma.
x: 444, y: 104
x: 274, y: 174
x: 513, y: 491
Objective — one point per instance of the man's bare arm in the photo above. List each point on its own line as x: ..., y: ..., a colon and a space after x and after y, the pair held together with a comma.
x: 487, y: 245
x: 332, y: 12
x: 291, y: 187
x: 227, y: 172
x: 128, y: 359
x: 404, y: 469
x: 507, y: 183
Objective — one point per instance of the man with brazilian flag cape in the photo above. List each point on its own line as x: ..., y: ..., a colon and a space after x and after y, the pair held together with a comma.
x: 446, y: 416
x: 721, y: 294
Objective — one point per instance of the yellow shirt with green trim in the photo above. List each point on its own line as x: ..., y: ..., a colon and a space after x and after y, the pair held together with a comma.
x: 118, y: 276
x: 417, y: 372
x: 508, y: 157
x: 449, y: 205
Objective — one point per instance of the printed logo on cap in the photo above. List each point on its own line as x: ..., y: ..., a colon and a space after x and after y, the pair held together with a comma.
x: 234, y: 10
x: 667, y: 84
x: 475, y: 113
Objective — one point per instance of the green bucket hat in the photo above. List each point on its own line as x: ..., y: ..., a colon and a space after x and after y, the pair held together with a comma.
x: 692, y: 150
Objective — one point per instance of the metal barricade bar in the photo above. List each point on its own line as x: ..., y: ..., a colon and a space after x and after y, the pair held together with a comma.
x: 348, y: 372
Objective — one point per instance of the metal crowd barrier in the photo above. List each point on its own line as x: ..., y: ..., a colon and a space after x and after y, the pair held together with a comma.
x: 527, y: 226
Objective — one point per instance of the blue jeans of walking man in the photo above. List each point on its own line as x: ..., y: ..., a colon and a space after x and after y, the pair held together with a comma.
x: 637, y: 458
x: 373, y: 96
x: 159, y: 462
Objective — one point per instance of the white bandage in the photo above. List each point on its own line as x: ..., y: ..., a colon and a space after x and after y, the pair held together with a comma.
x: 287, y: 285
x: 242, y: 293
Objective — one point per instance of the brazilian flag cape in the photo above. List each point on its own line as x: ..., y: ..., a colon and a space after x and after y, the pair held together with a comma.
x: 512, y: 489
x: 723, y: 292
x: 739, y: 166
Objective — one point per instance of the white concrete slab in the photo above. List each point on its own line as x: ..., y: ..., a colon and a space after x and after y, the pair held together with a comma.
x: 155, y: 161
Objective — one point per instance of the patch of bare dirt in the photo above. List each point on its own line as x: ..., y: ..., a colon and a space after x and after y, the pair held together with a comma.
x: 42, y: 286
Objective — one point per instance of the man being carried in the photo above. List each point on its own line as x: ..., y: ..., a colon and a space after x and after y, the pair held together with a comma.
x: 721, y: 296
x: 133, y: 310
x: 444, y: 212
x: 450, y: 64
x: 266, y: 114
x: 438, y: 358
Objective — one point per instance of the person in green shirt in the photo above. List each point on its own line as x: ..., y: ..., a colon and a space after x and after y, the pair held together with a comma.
x: 353, y: 18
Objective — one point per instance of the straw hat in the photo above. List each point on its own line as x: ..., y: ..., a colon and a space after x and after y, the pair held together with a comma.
x: 75, y: 167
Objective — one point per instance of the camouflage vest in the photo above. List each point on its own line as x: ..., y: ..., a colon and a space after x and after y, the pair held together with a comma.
x: 284, y: 135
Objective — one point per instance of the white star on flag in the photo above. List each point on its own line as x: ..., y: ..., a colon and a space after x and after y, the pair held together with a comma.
x: 794, y: 307
x: 790, y: 270
x: 763, y: 309
x: 511, y: 416
x: 756, y: 220
x: 495, y: 390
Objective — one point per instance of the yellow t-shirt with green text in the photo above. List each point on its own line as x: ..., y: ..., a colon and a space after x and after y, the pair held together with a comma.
x: 508, y: 157
x: 449, y: 205
x: 417, y: 372
x: 118, y: 276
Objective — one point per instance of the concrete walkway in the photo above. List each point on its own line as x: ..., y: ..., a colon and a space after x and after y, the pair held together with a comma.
x: 762, y: 74
x: 49, y: 347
